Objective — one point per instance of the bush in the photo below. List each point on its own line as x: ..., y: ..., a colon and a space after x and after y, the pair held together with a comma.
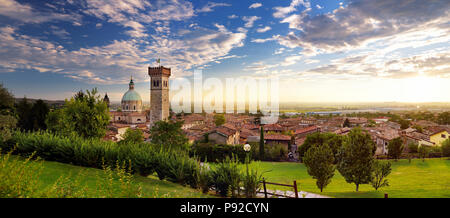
x: 204, y: 178
x: 142, y: 158
x: 413, y: 147
x: 218, y: 152
x: 19, y: 178
x: 227, y: 177
x: 446, y: 148
x: 251, y: 181
x: 275, y: 152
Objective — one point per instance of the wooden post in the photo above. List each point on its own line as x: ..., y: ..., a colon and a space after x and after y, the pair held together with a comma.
x: 295, y: 189
x: 385, y: 195
x: 265, y: 190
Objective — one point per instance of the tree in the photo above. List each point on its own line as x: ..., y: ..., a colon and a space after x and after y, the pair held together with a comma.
x: 85, y: 114
x: 446, y: 148
x: 24, y: 113
x: 444, y: 118
x: 219, y: 119
x: 132, y: 136
x: 423, y: 152
x: 6, y: 102
x: 404, y: 124
x: 261, y: 144
x: 8, y: 120
x: 319, y: 162
x: 395, y: 148
x: 346, y: 123
x: 39, y: 113
x: 168, y: 134
x: 356, y: 158
x: 317, y: 139
x: 380, y: 171
x: 412, y: 147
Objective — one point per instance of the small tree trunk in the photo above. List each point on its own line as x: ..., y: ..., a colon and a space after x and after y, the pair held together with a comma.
x: 357, y: 186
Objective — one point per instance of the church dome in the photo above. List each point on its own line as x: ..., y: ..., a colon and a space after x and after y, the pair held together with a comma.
x: 131, y: 95
x: 131, y: 100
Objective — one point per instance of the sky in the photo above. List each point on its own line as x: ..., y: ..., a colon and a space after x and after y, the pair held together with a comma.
x: 321, y: 51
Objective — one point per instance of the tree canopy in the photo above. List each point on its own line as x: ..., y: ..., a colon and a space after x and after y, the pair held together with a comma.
x: 356, y: 158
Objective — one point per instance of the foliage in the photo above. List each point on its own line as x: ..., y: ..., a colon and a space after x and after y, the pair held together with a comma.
x: 6, y: 102
x: 446, y: 148
x: 39, y: 113
x: 261, y: 143
x: 319, y: 162
x: 227, y: 177
x: 7, y: 123
x: 85, y: 114
x: 204, y: 178
x: 218, y: 152
x: 395, y: 148
x: 132, y: 136
x: 444, y: 118
x: 251, y: 180
x: 413, y: 147
x: 219, y: 119
x: 168, y: 134
x: 346, y: 123
x: 275, y: 152
x: 19, y: 178
x: 318, y: 139
x: 24, y: 113
x: 381, y: 169
x: 423, y: 152
x: 356, y: 158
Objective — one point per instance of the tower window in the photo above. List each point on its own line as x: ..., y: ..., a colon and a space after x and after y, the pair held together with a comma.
x: 134, y: 107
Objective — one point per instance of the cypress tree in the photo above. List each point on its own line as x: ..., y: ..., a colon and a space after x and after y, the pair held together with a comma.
x: 261, y: 144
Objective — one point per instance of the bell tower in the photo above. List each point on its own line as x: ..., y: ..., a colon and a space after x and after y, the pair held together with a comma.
x: 159, y: 93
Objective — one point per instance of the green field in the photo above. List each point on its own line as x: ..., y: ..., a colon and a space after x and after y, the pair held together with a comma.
x: 151, y: 186
x: 429, y: 179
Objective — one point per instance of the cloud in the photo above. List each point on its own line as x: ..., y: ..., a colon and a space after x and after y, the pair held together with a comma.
x: 233, y: 16
x: 250, y: 20
x: 281, y: 12
x: 319, y: 7
x: 25, y: 13
x: 273, y: 38
x: 113, y: 63
x: 263, y: 30
x: 211, y: 5
x: 137, y: 13
x: 430, y: 63
x: 362, y: 22
x: 255, y: 5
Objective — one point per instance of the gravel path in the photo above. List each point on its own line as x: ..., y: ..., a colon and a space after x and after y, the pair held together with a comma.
x: 301, y: 194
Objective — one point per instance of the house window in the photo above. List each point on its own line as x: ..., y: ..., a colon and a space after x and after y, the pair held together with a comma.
x: 134, y: 107
x: 127, y: 107
x: 443, y: 136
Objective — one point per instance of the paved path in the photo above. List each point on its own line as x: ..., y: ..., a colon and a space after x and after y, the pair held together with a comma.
x: 301, y: 194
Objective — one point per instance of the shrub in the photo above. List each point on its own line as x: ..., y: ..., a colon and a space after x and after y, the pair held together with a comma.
x: 413, y: 147
x: 251, y: 181
x: 446, y: 148
x: 204, y: 178
x: 227, y: 177
x: 218, y: 152
x: 19, y: 178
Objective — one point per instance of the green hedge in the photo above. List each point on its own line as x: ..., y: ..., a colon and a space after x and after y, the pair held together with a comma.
x: 217, y: 152
x: 145, y: 158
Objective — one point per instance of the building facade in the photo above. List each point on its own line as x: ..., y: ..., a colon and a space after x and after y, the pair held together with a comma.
x: 159, y: 93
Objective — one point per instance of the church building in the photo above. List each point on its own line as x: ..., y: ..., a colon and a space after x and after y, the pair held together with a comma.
x: 130, y: 111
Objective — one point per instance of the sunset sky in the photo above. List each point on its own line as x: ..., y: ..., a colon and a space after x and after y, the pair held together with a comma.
x: 321, y: 51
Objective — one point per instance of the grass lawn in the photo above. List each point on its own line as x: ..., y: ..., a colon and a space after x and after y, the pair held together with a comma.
x: 429, y: 179
x: 151, y: 186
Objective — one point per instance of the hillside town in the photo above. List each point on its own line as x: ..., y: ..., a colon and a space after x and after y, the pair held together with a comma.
x: 290, y: 131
